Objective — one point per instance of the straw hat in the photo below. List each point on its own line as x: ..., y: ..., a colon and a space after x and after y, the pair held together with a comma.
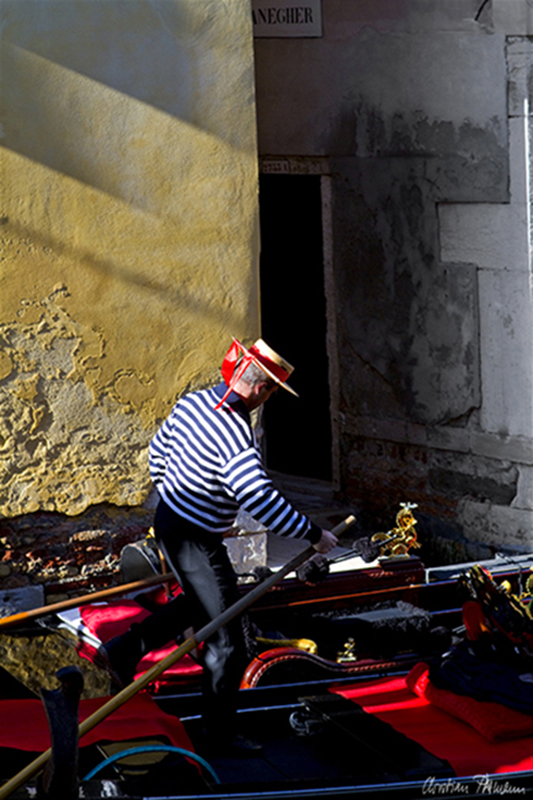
x: 238, y: 359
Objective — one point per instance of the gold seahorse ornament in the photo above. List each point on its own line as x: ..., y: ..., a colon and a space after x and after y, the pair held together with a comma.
x: 401, y: 538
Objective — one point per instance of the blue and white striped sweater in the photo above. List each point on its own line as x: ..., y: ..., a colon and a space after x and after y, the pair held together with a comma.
x: 205, y: 466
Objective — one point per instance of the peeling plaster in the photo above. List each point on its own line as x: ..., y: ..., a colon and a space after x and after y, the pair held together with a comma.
x: 64, y: 443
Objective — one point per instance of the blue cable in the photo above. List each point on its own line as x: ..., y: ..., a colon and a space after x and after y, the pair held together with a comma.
x: 153, y: 748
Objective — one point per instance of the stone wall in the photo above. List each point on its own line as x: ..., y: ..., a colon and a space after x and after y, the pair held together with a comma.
x: 419, y: 114
x: 68, y: 555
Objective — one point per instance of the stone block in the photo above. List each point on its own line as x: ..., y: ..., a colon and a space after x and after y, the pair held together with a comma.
x: 500, y: 527
x: 519, y: 66
x: 519, y: 171
x: 493, y: 236
x: 512, y: 448
x: 512, y: 17
x: 506, y: 322
x: 524, y: 493
x: 449, y: 438
x: 498, y: 486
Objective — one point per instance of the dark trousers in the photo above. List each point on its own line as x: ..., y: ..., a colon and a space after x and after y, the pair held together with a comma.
x: 200, y: 562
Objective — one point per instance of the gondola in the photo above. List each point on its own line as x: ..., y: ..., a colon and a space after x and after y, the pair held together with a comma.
x: 360, y: 736
x: 321, y: 745
x: 385, y: 616
x: 317, y: 742
x: 361, y: 619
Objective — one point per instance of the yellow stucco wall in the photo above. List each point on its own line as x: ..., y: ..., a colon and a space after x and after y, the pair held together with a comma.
x: 129, y: 235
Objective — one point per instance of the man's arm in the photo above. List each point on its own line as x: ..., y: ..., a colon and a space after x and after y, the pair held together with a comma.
x: 255, y: 493
x: 327, y: 542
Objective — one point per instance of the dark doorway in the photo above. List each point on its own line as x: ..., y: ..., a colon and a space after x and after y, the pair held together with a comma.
x: 293, y: 311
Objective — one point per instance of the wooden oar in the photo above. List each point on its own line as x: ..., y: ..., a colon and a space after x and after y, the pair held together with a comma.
x: 193, y: 641
x: 104, y: 594
x: 93, y: 597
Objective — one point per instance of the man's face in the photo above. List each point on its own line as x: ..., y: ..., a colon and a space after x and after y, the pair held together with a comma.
x: 261, y: 393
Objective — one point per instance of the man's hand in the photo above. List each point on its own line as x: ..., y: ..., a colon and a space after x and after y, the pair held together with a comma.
x: 327, y: 542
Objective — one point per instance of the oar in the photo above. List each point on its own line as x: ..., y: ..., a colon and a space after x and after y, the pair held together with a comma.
x: 94, y: 597
x: 193, y: 641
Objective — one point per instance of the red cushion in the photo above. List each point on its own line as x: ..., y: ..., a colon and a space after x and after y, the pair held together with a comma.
x: 24, y: 725
x: 113, y: 619
x: 493, y: 720
x: 449, y: 738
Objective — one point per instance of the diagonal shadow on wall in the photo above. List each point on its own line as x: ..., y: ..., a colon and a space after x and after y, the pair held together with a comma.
x: 128, y: 97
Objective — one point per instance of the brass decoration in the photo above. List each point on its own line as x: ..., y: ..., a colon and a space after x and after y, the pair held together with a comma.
x: 301, y: 644
x: 401, y: 538
x: 495, y: 599
x: 527, y: 595
x: 510, y: 614
x: 348, y: 655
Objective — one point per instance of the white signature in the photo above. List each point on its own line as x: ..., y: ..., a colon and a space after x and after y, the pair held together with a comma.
x: 482, y: 784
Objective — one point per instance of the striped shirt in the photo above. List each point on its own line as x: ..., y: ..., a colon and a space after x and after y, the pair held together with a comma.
x: 205, y: 466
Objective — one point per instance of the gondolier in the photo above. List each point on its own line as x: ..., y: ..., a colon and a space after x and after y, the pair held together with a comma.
x: 205, y: 465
